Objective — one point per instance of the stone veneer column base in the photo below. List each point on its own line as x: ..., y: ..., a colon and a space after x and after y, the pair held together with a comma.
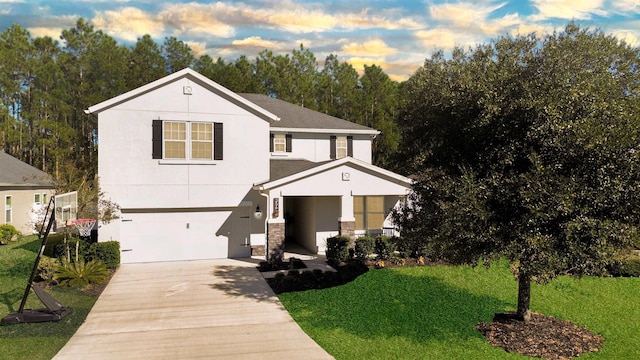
x: 347, y: 228
x: 275, y: 241
x: 257, y: 250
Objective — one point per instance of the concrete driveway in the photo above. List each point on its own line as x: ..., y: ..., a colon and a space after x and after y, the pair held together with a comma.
x: 210, y: 309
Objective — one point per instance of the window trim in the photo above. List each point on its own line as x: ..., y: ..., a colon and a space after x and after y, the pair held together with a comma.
x: 365, y: 213
x: 333, y: 146
x: 288, y: 139
x: 8, y: 209
x: 158, y: 142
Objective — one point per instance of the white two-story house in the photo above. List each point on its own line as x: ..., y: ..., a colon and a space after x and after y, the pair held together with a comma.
x: 201, y: 172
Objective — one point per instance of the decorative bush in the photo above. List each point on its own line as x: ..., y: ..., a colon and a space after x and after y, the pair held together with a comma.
x: 107, y: 252
x: 81, y: 273
x: 82, y: 246
x: 364, y: 247
x: 385, y: 247
x: 629, y: 266
x: 7, y: 232
x: 47, y: 268
x: 410, y: 247
x: 316, y: 279
x: 338, y: 249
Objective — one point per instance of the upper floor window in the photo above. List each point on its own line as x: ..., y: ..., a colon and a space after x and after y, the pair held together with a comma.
x: 36, y: 199
x: 7, y: 209
x: 280, y: 143
x: 340, y: 146
x: 187, y: 140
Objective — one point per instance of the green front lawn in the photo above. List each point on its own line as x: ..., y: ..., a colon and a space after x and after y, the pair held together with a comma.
x: 34, y: 341
x: 430, y: 312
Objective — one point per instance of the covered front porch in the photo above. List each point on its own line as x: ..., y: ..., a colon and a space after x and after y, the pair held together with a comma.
x: 310, y: 202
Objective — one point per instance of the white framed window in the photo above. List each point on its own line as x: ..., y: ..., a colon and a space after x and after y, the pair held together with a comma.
x: 185, y: 140
x: 175, y: 140
x: 279, y: 143
x: 36, y: 199
x: 44, y: 198
x: 369, y: 212
x: 7, y: 209
x: 202, y: 141
x: 341, y: 147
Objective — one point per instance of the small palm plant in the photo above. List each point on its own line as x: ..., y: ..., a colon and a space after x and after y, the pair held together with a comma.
x: 81, y: 273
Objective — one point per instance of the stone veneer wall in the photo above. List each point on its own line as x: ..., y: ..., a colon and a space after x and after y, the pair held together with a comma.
x: 257, y: 250
x: 348, y: 228
x: 275, y: 240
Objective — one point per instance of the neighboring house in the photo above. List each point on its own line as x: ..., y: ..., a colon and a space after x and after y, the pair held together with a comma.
x: 201, y: 172
x: 23, y: 191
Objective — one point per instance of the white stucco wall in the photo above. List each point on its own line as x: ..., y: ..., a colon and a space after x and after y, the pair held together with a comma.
x: 316, y: 147
x: 331, y: 183
x: 130, y: 176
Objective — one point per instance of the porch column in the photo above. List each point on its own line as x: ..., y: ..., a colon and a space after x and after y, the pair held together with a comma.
x: 275, y: 239
x: 346, y: 221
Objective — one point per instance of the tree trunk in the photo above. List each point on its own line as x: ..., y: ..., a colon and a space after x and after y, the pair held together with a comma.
x: 524, y: 297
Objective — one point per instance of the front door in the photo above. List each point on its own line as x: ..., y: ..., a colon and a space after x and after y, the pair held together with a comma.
x: 240, y: 237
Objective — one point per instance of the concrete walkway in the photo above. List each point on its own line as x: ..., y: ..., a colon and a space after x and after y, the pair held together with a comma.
x: 210, y: 309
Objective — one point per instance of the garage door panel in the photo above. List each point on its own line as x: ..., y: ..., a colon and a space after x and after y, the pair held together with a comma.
x: 173, y: 237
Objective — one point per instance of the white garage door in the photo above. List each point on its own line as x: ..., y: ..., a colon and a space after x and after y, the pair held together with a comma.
x: 150, y: 237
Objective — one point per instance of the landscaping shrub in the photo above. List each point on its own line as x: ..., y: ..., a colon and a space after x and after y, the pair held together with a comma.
x: 385, y: 247
x: 81, y: 273
x: 279, y: 264
x: 629, y: 266
x: 410, y: 247
x: 107, y: 252
x: 316, y: 279
x: 364, y: 247
x: 47, y: 268
x: 74, y: 244
x: 7, y: 232
x: 53, y: 240
x: 338, y: 249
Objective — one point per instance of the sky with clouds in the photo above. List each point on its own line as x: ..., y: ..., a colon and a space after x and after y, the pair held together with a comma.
x: 397, y: 35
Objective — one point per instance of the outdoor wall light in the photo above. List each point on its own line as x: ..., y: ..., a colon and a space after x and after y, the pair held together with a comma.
x: 258, y: 213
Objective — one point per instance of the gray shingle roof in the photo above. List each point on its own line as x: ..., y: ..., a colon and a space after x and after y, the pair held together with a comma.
x: 294, y: 116
x: 281, y: 168
x: 14, y: 172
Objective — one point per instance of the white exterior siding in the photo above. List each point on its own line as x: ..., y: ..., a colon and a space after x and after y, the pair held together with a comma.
x: 198, y: 209
x: 130, y: 176
x: 316, y: 147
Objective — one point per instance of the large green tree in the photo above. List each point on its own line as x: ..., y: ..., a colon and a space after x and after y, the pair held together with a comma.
x: 526, y: 148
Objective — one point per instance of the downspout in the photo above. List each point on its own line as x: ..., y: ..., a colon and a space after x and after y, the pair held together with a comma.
x: 266, y: 228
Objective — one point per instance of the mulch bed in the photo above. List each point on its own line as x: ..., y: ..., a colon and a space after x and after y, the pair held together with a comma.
x: 543, y: 337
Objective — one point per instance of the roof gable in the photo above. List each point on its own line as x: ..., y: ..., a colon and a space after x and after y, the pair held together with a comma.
x: 294, y: 117
x: 194, y: 76
x: 17, y: 173
x: 286, y: 171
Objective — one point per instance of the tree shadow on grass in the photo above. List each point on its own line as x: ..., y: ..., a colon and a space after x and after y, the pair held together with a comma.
x: 389, y: 303
x: 11, y: 297
x: 242, y: 281
x: 32, y: 246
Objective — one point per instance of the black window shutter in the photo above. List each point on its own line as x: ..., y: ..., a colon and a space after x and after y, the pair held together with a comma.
x: 271, y: 139
x: 217, y: 141
x: 156, y: 139
x: 332, y: 147
x: 350, y: 146
x: 288, y: 142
